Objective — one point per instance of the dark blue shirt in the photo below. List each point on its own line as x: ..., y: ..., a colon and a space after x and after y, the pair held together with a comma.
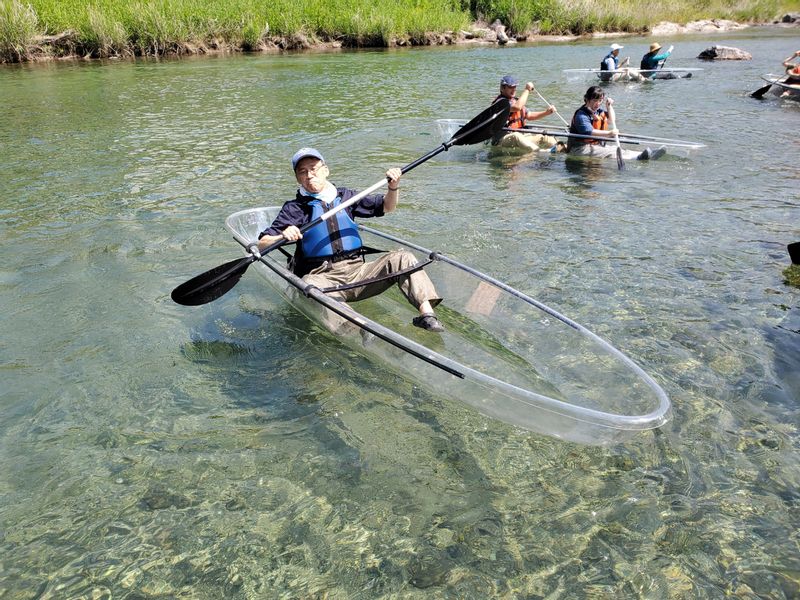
x: 297, y: 212
x: 651, y: 62
x: 582, y: 125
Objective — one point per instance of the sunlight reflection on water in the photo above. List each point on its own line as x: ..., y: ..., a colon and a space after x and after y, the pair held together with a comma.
x: 233, y: 450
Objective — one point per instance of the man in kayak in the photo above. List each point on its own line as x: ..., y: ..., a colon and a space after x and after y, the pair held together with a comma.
x: 653, y: 61
x: 611, y: 62
x: 519, y: 116
x: 591, y: 120
x: 332, y: 254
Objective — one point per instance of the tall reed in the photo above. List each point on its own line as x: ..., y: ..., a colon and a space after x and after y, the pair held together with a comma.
x: 104, y: 28
x: 18, y: 29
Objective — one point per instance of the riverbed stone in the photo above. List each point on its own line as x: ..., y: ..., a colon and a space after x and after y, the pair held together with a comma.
x: 724, y: 53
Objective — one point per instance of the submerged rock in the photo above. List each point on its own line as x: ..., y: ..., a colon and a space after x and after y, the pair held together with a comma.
x: 428, y: 571
x: 791, y: 275
x: 724, y: 53
x: 157, y: 498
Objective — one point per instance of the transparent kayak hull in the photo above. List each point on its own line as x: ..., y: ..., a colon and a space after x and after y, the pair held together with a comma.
x: 445, y: 128
x: 631, y: 74
x: 502, y: 353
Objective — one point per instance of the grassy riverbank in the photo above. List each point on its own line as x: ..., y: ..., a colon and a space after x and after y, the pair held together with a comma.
x: 104, y: 28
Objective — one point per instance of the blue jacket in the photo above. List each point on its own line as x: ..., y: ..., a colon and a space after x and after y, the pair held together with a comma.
x: 609, y: 65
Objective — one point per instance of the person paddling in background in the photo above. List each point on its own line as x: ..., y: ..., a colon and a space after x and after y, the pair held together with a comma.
x: 332, y: 254
x: 591, y: 120
x: 652, y: 62
x: 611, y: 62
x: 520, y: 115
x: 792, y: 69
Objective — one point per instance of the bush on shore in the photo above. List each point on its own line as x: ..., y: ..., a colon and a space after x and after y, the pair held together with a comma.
x: 587, y: 16
x: 103, y: 28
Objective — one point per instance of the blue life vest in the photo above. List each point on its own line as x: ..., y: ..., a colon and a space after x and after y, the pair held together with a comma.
x: 336, y: 236
x: 604, y: 66
x: 652, y: 61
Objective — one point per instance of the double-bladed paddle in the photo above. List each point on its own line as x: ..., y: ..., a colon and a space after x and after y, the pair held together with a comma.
x: 759, y: 93
x: 212, y: 284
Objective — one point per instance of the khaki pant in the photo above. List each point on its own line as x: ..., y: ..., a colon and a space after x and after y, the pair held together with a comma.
x: 416, y: 287
x: 526, y: 141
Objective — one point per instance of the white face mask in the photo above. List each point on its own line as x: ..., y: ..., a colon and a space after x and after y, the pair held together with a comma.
x: 327, y: 195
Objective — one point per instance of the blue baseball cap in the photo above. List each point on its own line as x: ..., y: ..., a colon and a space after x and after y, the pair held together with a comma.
x: 509, y: 80
x: 305, y: 153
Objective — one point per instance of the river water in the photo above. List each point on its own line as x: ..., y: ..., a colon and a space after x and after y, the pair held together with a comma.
x: 149, y: 450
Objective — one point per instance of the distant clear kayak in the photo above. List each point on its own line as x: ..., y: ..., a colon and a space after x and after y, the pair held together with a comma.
x: 540, y: 135
x: 630, y: 74
x: 504, y: 354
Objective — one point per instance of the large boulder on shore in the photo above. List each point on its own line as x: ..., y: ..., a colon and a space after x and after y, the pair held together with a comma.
x: 665, y: 28
x: 500, y: 31
x: 724, y: 53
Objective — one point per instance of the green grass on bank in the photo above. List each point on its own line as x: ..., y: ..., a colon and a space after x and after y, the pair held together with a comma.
x: 103, y: 28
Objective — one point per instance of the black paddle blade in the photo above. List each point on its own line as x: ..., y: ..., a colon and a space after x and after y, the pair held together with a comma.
x: 212, y: 284
x: 485, y: 125
x: 759, y: 93
x: 794, y: 252
x: 620, y: 161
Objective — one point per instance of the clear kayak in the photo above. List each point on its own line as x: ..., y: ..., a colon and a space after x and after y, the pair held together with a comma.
x: 632, y: 74
x: 446, y: 127
x: 506, y: 355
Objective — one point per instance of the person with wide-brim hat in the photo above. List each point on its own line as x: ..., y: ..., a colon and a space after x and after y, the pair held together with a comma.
x: 653, y: 60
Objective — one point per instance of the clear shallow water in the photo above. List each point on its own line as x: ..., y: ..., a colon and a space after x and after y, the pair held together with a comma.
x: 149, y: 450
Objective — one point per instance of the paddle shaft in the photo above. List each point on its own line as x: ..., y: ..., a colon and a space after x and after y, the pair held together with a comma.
x: 548, y: 104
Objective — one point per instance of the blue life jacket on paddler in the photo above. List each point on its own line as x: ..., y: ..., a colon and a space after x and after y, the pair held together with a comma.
x: 609, y: 65
x: 334, y: 238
